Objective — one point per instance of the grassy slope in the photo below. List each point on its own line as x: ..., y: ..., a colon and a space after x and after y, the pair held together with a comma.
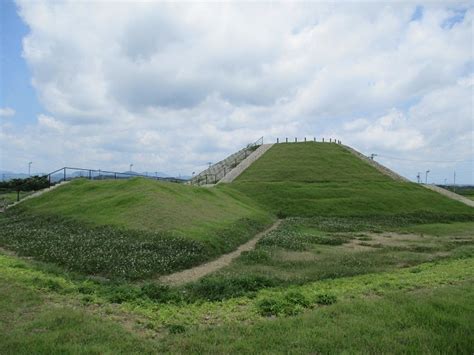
x: 308, y: 179
x: 144, y: 204
x: 130, y: 229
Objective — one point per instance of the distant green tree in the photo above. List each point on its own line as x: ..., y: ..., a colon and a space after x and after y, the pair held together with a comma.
x: 32, y: 183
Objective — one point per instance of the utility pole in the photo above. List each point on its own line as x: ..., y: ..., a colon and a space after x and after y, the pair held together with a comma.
x: 418, y: 177
x: 372, y: 156
x: 131, y: 166
x: 210, y: 163
x: 29, y: 168
x: 454, y: 187
x: 426, y: 176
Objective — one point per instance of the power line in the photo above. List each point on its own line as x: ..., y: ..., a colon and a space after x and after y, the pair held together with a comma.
x: 426, y: 161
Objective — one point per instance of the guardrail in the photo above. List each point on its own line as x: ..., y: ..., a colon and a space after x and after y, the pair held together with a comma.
x: 217, y: 171
x: 70, y: 173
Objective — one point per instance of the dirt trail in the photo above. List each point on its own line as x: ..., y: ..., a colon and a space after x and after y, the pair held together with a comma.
x: 197, y: 272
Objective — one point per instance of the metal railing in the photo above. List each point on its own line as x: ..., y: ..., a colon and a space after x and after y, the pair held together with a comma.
x: 69, y: 173
x: 217, y: 171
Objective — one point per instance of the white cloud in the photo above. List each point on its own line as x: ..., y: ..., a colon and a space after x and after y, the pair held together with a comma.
x: 7, y: 112
x: 389, y: 132
x: 172, y: 86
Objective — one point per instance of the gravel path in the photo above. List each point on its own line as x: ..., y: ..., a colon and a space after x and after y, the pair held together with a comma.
x: 197, y: 272
x: 244, y: 164
x: 450, y: 194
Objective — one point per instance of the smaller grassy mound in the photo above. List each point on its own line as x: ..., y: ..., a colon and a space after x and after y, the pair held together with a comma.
x: 130, y: 229
x: 144, y: 204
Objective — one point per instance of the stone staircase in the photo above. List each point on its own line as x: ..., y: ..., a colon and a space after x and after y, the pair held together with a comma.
x: 239, y: 169
x: 216, y: 172
x: 383, y: 169
x: 450, y: 194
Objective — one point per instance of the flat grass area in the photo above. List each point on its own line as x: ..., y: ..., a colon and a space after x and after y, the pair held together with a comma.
x: 443, y: 229
x: 30, y: 323
x: 314, y: 179
x: 303, y: 250
x: 437, y: 320
x: 429, y: 307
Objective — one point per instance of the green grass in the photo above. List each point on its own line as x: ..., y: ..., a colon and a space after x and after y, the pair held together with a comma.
x: 443, y: 229
x: 310, y: 162
x: 130, y: 229
x: 429, y: 321
x: 330, y: 279
x: 116, y: 252
x: 466, y: 191
x: 43, y: 311
x: 302, y: 250
x: 309, y: 179
x: 144, y: 204
x: 32, y: 324
x: 11, y: 196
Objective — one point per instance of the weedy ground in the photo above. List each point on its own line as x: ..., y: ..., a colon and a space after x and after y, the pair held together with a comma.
x: 424, y: 308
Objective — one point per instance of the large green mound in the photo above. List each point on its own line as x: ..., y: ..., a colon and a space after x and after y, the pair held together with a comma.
x: 309, y: 179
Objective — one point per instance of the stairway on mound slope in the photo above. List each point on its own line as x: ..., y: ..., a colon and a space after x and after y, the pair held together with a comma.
x: 383, y: 169
x: 217, y: 171
x: 239, y: 169
x: 450, y: 194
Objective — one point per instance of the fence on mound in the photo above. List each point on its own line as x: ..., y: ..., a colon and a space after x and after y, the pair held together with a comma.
x: 216, y: 172
x: 69, y: 173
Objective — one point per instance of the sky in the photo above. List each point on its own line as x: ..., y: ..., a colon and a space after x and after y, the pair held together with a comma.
x: 171, y: 86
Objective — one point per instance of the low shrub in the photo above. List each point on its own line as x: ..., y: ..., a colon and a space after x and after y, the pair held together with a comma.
x: 325, y: 299
x: 289, y: 304
x: 295, y: 297
x: 160, y: 293
x: 176, y: 328
x: 217, y: 288
x: 123, y: 293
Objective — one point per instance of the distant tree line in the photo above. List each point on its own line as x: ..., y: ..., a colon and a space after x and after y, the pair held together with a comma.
x: 32, y: 183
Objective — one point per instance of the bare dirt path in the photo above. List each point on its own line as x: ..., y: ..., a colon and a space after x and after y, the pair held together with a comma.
x: 197, y: 272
